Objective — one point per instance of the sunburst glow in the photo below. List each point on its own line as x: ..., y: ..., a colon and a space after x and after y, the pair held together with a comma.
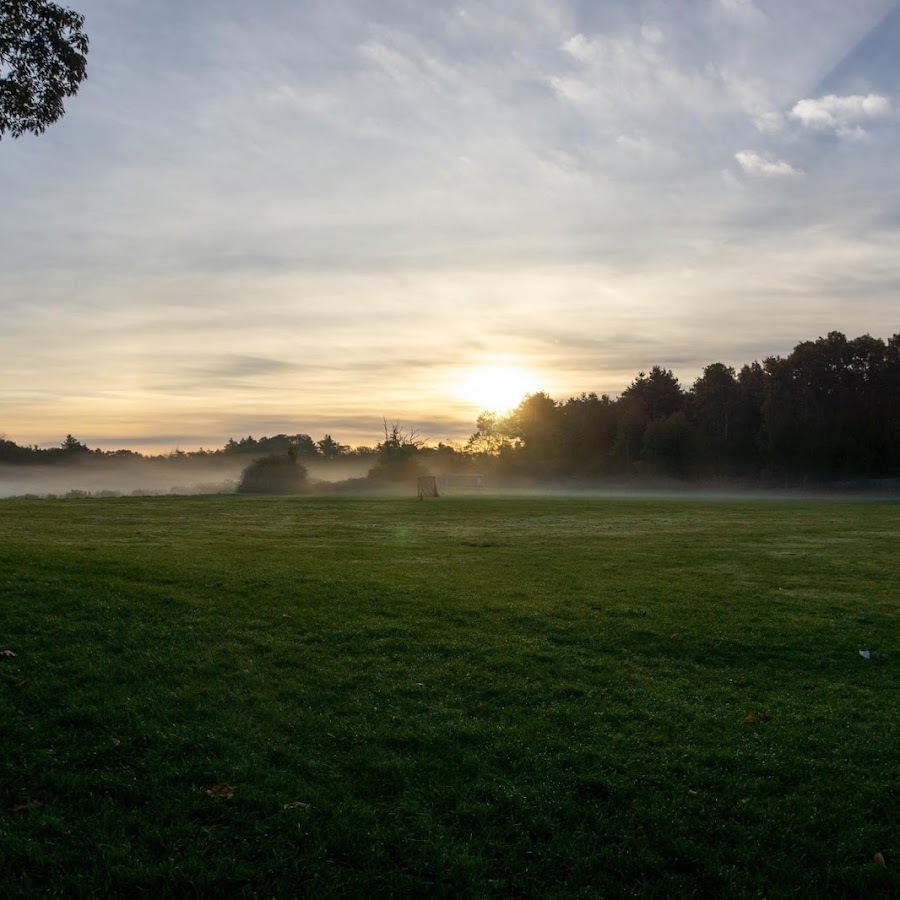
x: 497, y: 388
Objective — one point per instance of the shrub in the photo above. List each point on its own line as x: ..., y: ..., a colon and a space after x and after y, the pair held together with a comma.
x: 278, y: 474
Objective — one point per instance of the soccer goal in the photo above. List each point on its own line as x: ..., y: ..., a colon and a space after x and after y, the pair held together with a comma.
x: 427, y: 487
x: 462, y: 483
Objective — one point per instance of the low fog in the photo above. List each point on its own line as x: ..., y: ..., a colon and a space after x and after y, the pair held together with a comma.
x: 156, y: 477
x: 149, y: 476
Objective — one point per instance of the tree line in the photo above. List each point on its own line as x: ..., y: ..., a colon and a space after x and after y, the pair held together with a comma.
x: 301, y: 445
x: 830, y: 410
x: 827, y: 411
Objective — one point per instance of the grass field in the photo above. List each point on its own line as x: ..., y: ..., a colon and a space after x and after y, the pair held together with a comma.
x: 460, y: 698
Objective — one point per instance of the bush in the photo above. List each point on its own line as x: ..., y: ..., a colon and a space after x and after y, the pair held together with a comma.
x: 274, y: 475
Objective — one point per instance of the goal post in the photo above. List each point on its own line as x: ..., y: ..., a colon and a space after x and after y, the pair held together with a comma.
x: 462, y: 483
x: 427, y: 487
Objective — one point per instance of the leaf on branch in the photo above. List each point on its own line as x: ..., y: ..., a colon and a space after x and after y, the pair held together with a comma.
x: 43, y: 60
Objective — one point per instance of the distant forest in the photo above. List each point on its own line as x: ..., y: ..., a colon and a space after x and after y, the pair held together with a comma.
x: 829, y: 411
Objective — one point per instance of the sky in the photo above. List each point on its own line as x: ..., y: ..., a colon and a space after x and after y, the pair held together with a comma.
x: 308, y: 216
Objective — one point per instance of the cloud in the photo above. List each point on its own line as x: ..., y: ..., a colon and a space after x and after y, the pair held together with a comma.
x: 753, y: 95
x: 745, y: 12
x: 634, y: 74
x: 653, y: 34
x: 238, y: 366
x: 842, y: 115
x: 764, y: 165
x: 373, y: 177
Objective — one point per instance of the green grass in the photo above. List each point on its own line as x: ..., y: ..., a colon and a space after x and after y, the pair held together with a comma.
x: 479, y: 698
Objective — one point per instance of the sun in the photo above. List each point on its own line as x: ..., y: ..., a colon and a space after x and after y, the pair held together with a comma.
x: 496, y: 388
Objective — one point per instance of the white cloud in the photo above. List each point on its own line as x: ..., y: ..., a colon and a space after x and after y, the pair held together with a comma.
x: 378, y: 176
x: 580, y: 48
x: 744, y: 11
x: 763, y: 165
x: 653, y: 34
x: 753, y: 95
x: 629, y: 74
x: 842, y: 115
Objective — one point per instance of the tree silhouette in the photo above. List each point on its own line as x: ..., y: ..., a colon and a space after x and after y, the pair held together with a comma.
x: 330, y: 448
x: 43, y: 60
x: 659, y: 393
x: 72, y: 445
x: 397, y: 455
x: 536, y: 423
x: 589, y: 425
x: 715, y: 402
x: 274, y: 475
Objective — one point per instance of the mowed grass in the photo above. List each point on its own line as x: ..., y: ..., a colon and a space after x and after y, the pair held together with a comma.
x: 461, y: 698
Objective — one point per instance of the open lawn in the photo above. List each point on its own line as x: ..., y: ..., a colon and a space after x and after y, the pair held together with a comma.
x: 481, y: 697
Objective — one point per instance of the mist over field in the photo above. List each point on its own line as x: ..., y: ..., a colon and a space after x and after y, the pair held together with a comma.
x: 16, y: 481
x: 151, y: 476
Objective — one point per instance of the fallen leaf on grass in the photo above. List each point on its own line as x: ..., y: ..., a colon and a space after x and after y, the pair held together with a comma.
x: 751, y: 718
x: 7, y: 653
x: 297, y: 804
x: 24, y: 807
x: 220, y: 791
x: 878, y: 859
